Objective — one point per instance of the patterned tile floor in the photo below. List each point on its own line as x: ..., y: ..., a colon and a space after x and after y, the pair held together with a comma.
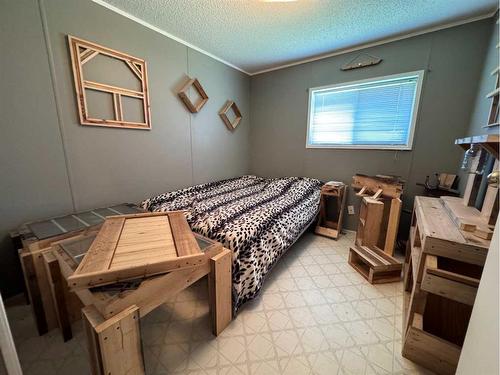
x: 315, y: 315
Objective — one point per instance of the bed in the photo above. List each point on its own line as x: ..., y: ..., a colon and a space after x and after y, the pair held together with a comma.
x: 257, y: 218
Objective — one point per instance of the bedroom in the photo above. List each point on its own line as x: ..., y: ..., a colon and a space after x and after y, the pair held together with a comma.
x: 297, y: 305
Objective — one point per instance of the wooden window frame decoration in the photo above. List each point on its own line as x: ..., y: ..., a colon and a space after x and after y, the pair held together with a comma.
x: 495, y: 99
x: 183, y: 94
x: 82, y: 51
x: 223, y: 115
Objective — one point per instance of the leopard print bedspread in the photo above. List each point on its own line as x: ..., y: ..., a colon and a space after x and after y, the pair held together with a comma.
x: 257, y: 218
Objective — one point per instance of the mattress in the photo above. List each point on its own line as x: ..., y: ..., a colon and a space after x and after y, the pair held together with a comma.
x: 257, y: 218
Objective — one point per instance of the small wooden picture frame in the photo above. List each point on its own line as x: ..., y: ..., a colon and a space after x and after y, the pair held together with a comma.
x: 83, y: 51
x: 183, y: 94
x: 230, y: 105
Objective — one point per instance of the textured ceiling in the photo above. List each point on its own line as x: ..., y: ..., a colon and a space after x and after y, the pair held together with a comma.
x: 254, y: 35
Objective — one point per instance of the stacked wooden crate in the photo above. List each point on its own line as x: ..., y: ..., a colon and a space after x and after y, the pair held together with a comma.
x: 442, y: 268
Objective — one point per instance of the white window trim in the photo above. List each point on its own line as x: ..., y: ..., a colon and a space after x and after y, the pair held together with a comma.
x: 420, y: 80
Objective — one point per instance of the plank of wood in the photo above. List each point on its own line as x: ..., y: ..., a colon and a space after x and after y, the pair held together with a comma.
x: 99, y: 257
x: 220, y: 287
x: 343, y: 193
x: 373, y: 211
x: 392, y: 226
x: 434, y: 221
x: 373, y: 253
x: 463, y: 279
x: 58, y: 294
x: 389, y: 260
x: 120, y: 343
x: 34, y: 294
x: 377, y: 194
x: 130, y: 271
x: 114, y: 344
x: 430, y: 351
x: 91, y: 319
x: 448, y: 288
x: 327, y: 232
x: 484, y: 233
x: 153, y: 292
x: 185, y: 243
x: 43, y: 284
x: 372, y: 185
x: 465, y: 217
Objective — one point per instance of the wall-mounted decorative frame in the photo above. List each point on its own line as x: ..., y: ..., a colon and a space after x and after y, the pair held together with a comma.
x: 82, y: 52
x: 495, y: 101
x: 230, y: 105
x: 183, y: 94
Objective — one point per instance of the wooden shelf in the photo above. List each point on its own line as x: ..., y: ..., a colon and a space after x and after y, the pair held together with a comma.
x: 491, y: 125
x: 489, y: 142
x: 443, y: 267
x: 477, y: 139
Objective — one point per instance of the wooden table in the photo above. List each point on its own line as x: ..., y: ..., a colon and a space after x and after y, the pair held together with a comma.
x: 31, y: 239
x: 111, y: 313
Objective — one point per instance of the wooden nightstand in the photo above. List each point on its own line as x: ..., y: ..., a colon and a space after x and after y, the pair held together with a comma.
x: 331, y: 210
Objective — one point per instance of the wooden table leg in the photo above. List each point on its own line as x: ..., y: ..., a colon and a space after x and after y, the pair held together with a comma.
x: 219, y: 291
x: 114, y: 345
x: 58, y: 285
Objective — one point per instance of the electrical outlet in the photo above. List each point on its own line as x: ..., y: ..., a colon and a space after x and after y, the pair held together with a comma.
x: 350, y: 210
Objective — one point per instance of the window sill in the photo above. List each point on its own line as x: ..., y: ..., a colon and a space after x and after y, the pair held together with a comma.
x: 362, y: 147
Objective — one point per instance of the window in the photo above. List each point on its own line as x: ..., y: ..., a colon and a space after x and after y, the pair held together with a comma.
x: 378, y: 113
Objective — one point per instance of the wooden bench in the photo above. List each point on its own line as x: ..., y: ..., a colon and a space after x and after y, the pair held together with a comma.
x: 374, y: 265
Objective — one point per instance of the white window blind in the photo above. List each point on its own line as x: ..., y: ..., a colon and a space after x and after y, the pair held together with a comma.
x: 376, y: 113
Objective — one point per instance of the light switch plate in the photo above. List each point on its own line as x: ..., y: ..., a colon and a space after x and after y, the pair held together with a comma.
x: 350, y: 210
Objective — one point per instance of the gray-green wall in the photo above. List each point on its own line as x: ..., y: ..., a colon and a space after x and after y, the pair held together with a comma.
x: 452, y: 60
x: 51, y: 165
x: 482, y: 105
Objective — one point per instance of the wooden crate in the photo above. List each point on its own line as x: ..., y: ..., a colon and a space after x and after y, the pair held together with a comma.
x: 332, y: 203
x: 382, y: 230
x: 443, y: 267
x: 374, y: 265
